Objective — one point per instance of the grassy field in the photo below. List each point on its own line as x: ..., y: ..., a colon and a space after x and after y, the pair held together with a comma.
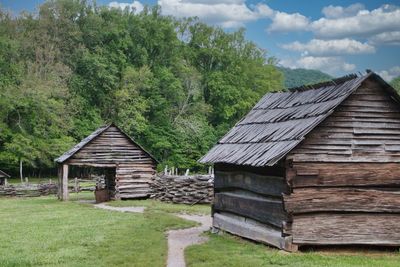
x: 34, y: 180
x: 227, y: 250
x: 46, y: 232
x: 164, y: 207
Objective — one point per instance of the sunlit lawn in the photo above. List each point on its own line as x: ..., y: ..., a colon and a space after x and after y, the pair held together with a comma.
x: 227, y: 250
x: 46, y: 232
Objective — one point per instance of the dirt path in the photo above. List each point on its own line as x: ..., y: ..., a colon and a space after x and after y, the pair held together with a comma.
x: 120, y: 209
x: 179, y: 239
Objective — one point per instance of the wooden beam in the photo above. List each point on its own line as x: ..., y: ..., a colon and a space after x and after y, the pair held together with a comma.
x: 262, y: 209
x: 261, y: 184
x: 253, y: 230
x: 65, y: 182
x: 59, y: 175
x: 306, y: 200
x: 346, y: 229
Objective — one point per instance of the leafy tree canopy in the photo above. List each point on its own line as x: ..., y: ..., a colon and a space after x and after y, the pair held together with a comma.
x: 174, y: 85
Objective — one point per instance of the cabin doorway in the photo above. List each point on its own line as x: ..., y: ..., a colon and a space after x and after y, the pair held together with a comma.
x: 92, y: 183
x: 109, y: 186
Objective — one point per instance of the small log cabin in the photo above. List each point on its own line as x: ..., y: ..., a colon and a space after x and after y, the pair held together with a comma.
x: 129, y: 168
x: 3, y: 177
x: 316, y: 165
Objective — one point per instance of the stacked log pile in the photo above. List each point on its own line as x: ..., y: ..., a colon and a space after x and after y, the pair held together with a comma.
x: 197, y: 189
x: 28, y: 190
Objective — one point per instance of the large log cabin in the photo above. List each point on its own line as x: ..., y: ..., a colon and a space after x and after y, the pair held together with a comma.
x: 315, y: 165
x: 129, y: 168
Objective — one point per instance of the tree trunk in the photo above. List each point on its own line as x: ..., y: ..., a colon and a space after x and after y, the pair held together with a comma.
x: 20, y: 170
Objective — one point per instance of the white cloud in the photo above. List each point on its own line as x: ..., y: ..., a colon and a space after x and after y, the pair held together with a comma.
x: 389, y: 38
x: 390, y: 74
x: 317, y: 47
x: 330, y: 65
x: 285, y: 22
x: 341, y: 12
x: 365, y: 23
x: 135, y: 6
x: 227, y: 13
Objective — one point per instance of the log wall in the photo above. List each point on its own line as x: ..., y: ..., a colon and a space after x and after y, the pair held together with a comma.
x: 134, y: 167
x: 248, y: 202
x: 345, y: 175
x: 195, y: 189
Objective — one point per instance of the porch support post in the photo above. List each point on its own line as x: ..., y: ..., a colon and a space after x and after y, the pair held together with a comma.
x: 63, y: 182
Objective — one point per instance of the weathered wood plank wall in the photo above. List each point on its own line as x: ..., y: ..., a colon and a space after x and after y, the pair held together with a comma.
x: 134, y: 167
x: 345, y: 176
x: 248, y: 202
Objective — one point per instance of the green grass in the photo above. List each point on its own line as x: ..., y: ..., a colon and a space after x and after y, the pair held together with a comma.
x: 227, y: 250
x: 34, y: 180
x: 155, y: 205
x: 46, y: 232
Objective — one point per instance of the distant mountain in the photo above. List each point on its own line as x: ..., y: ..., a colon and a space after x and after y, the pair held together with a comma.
x: 298, y: 77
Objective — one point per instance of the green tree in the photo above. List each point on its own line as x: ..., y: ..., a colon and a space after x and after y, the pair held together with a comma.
x: 176, y: 86
x: 395, y: 83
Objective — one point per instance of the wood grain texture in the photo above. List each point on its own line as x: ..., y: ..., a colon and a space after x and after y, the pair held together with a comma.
x: 265, y: 210
x: 306, y: 174
x: 109, y: 147
x: 341, y: 229
x: 261, y: 184
x: 251, y: 229
x: 363, y: 128
x: 306, y: 200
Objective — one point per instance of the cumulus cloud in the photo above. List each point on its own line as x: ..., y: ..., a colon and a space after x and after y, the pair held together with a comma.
x: 285, y: 22
x: 227, y: 13
x: 388, y: 38
x: 317, y: 47
x: 135, y: 6
x: 365, y: 23
x: 331, y: 65
x: 341, y: 12
x: 390, y: 74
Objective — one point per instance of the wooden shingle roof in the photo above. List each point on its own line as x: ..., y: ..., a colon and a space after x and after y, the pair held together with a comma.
x: 93, y: 136
x: 280, y: 121
x: 3, y: 174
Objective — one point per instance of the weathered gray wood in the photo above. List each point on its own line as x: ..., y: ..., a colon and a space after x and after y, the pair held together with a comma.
x: 306, y: 200
x: 65, y: 193
x: 250, y: 229
x: 359, y: 117
x: 109, y: 147
x: 345, y: 229
x: 263, y: 209
x: 262, y: 184
x: 344, y: 174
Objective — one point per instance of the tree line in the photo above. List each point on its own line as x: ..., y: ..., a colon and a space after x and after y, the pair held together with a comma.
x: 176, y: 86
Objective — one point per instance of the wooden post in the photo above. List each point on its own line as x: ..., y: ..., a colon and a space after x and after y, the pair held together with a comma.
x: 60, y: 174
x: 76, y: 188
x: 64, y: 182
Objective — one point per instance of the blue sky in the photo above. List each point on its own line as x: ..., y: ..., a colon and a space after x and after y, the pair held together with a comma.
x: 336, y: 37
